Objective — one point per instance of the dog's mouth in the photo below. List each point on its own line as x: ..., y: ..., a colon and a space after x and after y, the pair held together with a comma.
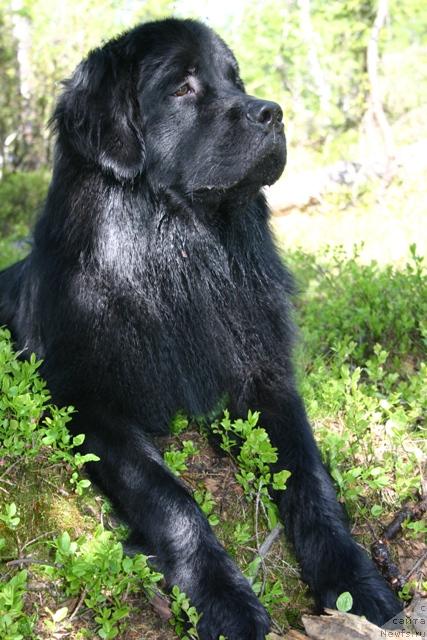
x: 262, y: 169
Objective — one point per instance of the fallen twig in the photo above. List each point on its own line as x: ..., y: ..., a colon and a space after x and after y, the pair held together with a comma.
x: 60, y: 490
x: 264, y: 548
x: 380, y: 548
x: 78, y: 605
x: 37, y: 538
x: 6, y: 471
x: 22, y: 561
x: 262, y: 563
x: 270, y: 540
x: 381, y: 555
x: 418, y: 564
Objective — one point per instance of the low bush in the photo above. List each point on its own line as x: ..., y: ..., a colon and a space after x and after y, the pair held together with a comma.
x: 21, y: 197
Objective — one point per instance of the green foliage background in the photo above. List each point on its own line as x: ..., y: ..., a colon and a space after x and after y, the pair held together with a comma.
x: 268, y: 37
x: 362, y: 354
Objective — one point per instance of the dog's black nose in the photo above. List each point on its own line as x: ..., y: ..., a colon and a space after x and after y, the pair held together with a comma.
x: 264, y: 113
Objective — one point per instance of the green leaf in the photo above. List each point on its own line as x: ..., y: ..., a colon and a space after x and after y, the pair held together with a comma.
x: 280, y: 479
x: 64, y: 542
x: 344, y: 602
x: 78, y: 440
x: 376, y: 510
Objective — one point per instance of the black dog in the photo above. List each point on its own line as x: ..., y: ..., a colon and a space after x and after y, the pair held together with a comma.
x: 154, y: 286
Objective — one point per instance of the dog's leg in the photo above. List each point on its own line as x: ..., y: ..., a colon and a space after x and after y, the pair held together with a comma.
x: 331, y: 561
x: 169, y: 526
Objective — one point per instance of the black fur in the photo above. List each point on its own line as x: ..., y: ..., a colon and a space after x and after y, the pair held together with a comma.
x: 154, y: 286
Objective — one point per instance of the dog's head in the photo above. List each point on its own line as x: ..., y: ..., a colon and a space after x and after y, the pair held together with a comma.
x: 166, y: 100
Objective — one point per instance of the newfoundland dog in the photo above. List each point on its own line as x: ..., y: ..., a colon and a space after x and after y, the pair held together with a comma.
x: 154, y: 285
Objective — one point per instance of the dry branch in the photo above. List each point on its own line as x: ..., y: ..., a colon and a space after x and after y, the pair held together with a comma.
x: 380, y: 549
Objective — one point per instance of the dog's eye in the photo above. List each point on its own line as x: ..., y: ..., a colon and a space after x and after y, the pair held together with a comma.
x: 182, y: 91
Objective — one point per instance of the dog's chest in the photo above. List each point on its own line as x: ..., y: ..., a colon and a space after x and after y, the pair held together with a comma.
x: 194, y: 337
x: 180, y: 312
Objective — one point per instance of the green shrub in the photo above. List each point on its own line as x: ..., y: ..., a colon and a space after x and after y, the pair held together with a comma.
x: 97, y: 567
x: 21, y: 196
x: 12, y: 250
x: 364, y: 375
x: 29, y: 424
x: 15, y: 624
x: 254, y: 458
x: 367, y: 304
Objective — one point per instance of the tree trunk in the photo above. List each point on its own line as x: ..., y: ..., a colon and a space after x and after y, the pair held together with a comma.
x: 22, y: 35
x: 377, y: 128
x: 309, y: 36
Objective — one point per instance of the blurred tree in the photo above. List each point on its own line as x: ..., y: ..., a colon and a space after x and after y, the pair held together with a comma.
x: 272, y: 53
x: 57, y: 47
x: 44, y: 41
x: 408, y: 21
x: 10, y: 101
x: 28, y: 158
x: 150, y: 10
x: 311, y: 40
x: 308, y: 54
x: 375, y: 126
x: 311, y: 56
x: 345, y: 27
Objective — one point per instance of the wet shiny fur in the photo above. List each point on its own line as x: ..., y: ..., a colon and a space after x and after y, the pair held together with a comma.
x: 154, y: 285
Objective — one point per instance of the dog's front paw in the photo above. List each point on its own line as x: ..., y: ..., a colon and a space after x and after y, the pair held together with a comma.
x: 372, y: 597
x: 234, y: 615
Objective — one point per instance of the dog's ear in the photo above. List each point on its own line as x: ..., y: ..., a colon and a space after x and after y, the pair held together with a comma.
x: 98, y: 114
